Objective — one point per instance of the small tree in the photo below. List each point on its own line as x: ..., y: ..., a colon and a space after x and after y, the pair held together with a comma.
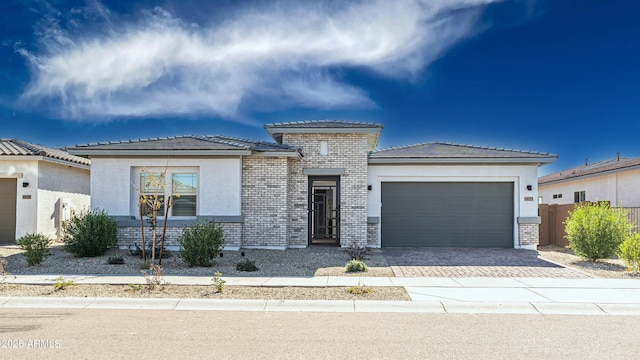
x: 151, y: 201
x: 595, y: 230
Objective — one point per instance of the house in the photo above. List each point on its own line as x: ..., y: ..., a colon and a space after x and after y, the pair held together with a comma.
x: 324, y: 183
x: 39, y: 188
x: 615, y: 180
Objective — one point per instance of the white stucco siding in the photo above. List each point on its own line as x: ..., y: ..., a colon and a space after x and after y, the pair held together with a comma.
x: 57, y: 185
x: 621, y: 189
x: 114, y: 183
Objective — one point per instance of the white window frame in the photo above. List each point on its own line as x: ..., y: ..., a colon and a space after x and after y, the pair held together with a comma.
x: 168, y: 190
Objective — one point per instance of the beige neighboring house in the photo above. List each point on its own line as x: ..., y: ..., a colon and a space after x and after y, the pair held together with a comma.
x: 615, y: 180
x: 39, y: 188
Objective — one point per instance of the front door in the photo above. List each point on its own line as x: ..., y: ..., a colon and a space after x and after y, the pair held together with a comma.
x: 324, y: 210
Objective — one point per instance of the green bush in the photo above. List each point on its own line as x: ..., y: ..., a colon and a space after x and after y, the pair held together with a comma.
x: 595, y: 231
x: 246, y: 265
x: 200, y: 243
x: 36, y: 247
x: 630, y: 252
x: 90, y: 233
x: 356, y: 266
x: 115, y: 260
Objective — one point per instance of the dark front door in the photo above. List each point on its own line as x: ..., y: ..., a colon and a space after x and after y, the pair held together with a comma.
x: 324, y: 210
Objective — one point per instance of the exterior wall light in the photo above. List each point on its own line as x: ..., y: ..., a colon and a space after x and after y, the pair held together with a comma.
x: 529, y: 187
x: 25, y: 184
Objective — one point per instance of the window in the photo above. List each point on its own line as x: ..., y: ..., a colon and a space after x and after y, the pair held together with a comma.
x: 579, y: 196
x: 557, y: 196
x: 152, y: 184
x: 182, y: 189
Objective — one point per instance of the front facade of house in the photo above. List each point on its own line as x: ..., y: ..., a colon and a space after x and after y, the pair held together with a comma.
x: 323, y: 183
x: 614, y: 180
x: 39, y: 189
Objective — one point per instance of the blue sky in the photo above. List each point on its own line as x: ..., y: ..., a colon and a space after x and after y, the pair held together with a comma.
x: 558, y: 76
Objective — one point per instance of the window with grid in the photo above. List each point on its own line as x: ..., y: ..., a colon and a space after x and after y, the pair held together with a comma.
x: 579, y: 196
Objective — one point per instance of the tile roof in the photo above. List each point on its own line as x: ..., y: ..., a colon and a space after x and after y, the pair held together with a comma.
x: 323, y: 124
x: 450, y: 150
x: 590, y: 169
x: 22, y: 148
x: 186, y: 142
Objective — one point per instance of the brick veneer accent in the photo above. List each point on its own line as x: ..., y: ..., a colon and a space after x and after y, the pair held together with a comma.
x: 372, y: 235
x: 129, y: 235
x: 264, y: 201
x: 346, y: 151
x: 528, y: 234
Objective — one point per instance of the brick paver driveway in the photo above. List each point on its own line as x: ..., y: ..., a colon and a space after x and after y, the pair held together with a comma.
x: 467, y: 262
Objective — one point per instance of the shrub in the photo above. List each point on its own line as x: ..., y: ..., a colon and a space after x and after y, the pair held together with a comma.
x: 357, y: 252
x: 90, y: 233
x: 36, y: 247
x: 61, y: 283
x: 246, y: 265
x: 359, y: 290
x: 356, y: 266
x: 155, y: 277
x: 595, y: 231
x: 218, y: 282
x: 115, y: 260
x: 200, y: 243
x: 630, y: 252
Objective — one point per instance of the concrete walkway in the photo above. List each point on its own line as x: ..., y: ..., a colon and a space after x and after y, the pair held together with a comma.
x: 548, y: 296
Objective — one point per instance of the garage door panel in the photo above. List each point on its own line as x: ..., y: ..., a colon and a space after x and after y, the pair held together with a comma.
x: 447, y: 214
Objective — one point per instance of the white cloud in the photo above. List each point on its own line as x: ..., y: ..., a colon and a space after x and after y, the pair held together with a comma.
x: 287, y: 55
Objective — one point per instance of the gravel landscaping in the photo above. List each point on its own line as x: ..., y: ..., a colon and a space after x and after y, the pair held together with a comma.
x: 605, y: 268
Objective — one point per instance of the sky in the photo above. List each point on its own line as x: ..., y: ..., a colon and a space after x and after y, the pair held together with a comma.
x: 556, y: 76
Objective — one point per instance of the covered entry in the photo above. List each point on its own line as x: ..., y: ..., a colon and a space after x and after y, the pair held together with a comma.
x: 8, y: 191
x: 447, y: 214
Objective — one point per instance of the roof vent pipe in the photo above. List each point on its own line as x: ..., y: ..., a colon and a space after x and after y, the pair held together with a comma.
x: 586, y: 161
x: 618, y: 156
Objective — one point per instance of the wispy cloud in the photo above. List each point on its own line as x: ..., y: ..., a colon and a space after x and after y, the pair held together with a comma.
x: 287, y: 55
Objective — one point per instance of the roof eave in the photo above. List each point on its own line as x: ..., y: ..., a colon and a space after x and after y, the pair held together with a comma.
x: 103, y: 152
x: 600, y: 173
x: 460, y: 161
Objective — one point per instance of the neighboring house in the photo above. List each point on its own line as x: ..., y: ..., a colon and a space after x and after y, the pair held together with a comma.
x: 615, y: 180
x: 324, y: 183
x: 39, y: 188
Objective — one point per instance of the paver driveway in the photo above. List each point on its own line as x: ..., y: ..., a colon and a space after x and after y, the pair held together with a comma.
x: 467, y: 262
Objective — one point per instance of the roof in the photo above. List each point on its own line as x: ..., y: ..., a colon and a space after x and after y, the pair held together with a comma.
x: 17, y: 147
x: 184, y: 144
x: 441, y: 152
x: 276, y: 130
x: 615, y: 164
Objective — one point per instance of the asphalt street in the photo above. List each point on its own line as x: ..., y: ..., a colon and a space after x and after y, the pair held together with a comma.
x: 164, y: 334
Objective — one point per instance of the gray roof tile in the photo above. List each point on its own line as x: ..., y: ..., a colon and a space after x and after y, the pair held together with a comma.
x: 590, y: 169
x: 23, y: 148
x: 450, y: 150
x: 323, y: 124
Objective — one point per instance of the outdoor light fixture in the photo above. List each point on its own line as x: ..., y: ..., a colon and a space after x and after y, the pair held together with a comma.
x: 529, y: 187
x: 25, y: 184
x: 369, y: 187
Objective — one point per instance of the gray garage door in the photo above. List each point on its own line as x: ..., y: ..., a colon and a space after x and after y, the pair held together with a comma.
x: 445, y: 214
x: 7, y: 211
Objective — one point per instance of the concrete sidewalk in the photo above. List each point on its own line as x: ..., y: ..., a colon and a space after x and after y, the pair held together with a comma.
x: 434, y: 295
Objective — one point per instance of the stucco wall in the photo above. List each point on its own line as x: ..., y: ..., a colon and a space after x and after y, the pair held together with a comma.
x: 521, y: 176
x: 114, y: 182
x: 346, y: 151
x: 621, y: 189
